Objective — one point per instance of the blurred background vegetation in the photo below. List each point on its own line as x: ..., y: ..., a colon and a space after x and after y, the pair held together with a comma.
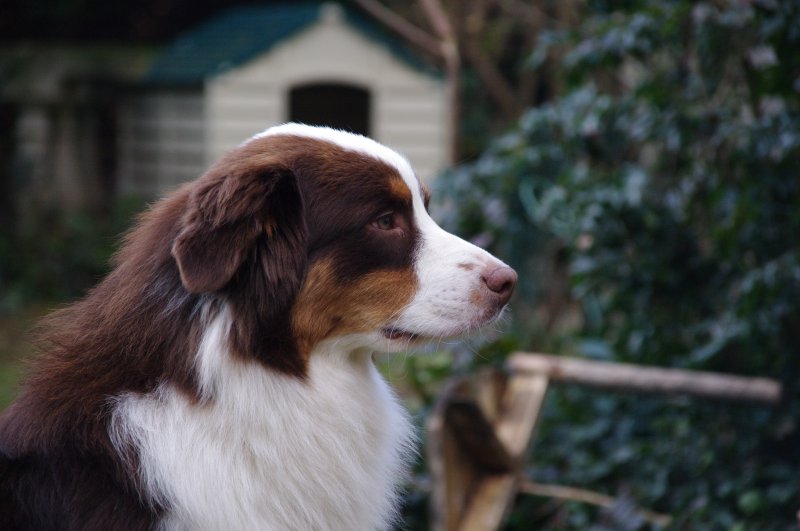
x: 640, y: 172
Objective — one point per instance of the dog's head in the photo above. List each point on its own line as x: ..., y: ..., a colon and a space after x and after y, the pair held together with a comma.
x: 312, y: 235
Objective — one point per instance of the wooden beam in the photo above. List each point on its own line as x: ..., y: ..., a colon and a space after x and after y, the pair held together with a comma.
x: 473, y: 485
x: 452, y: 471
x: 648, y: 379
x: 476, y: 435
x: 493, y: 494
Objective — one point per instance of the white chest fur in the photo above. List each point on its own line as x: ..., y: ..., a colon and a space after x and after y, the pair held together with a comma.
x: 270, y: 452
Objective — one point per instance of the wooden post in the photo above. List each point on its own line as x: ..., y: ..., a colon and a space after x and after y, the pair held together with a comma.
x: 478, y: 437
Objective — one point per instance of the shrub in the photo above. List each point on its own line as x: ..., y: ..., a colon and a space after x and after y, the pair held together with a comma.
x: 665, y: 178
x: 55, y: 254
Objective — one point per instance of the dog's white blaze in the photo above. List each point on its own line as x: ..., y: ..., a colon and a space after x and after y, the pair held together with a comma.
x: 349, y: 141
x: 263, y: 451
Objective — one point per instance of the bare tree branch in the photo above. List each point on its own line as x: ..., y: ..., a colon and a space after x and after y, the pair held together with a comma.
x: 498, y: 87
x: 406, y: 29
x: 452, y: 59
x: 587, y: 496
x: 536, y: 20
x: 470, y: 32
x: 530, y: 13
x: 438, y: 19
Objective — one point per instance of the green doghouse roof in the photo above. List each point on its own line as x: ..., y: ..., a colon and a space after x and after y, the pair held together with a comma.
x: 240, y: 34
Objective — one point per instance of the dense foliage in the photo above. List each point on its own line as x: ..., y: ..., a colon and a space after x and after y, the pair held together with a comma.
x: 665, y: 180
x: 53, y: 255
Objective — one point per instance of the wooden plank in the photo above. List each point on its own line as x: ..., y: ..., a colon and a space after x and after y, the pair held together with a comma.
x: 450, y: 469
x: 522, y: 402
x: 490, y: 502
x: 476, y: 436
x: 459, y: 473
x: 648, y: 379
x: 493, y: 494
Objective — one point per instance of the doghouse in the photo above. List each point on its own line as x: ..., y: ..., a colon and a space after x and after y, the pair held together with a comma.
x: 255, y: 66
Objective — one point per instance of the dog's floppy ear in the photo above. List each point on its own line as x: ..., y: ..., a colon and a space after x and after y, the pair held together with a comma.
x: 236, y: 211
x: 244, y: 235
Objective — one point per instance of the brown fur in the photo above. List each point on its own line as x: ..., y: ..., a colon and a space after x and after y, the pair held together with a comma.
x: 279, y: 230
x: 326, y: 308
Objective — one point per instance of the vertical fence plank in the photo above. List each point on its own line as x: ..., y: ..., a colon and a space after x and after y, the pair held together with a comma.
x: 473, y: 491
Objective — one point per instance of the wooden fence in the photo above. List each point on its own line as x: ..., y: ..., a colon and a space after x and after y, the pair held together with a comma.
x: 482, y: 427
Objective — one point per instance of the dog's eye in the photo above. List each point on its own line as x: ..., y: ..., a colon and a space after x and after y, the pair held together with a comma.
x: 385, y: 222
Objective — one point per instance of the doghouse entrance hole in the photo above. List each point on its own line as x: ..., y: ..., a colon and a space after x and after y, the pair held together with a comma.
x: 335, y: 105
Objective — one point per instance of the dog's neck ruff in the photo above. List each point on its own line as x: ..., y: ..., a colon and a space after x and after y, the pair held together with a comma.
x: 265, y: 451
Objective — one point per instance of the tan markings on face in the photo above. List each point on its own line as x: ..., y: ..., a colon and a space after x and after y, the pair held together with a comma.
x: 327, y: 308
x: 399, y: 189
x: 465, y: 266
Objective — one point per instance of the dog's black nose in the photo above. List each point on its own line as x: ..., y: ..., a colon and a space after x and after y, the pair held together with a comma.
x: 501, y: 281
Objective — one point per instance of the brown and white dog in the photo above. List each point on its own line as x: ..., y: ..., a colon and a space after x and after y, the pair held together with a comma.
x: 221, y: 376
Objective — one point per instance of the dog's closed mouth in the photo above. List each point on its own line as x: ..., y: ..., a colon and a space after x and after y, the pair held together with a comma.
x: 397, y: 334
